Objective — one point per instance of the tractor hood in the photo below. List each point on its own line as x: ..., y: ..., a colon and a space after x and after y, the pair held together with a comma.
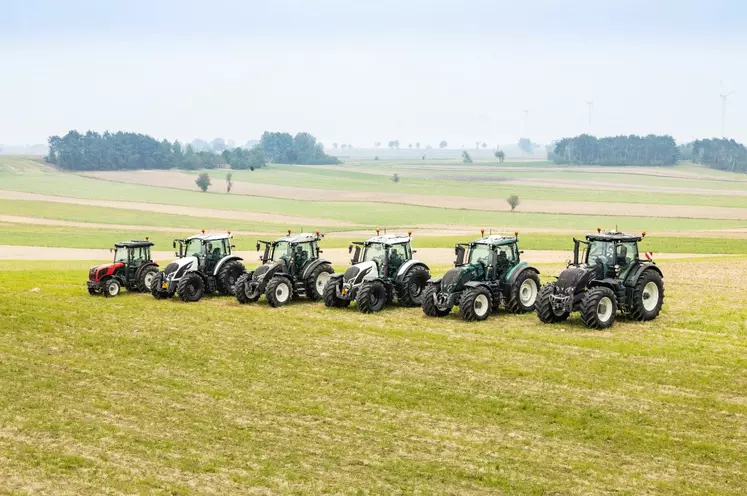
x: 267, y: 270
x: 97, y: 272
x: 180, y: 266
x: 456, y: 278
x: 576, y: 278
x: 358, y: 272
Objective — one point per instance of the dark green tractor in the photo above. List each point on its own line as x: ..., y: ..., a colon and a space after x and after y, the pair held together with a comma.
x: 488, y: 273
x: 609, y: 276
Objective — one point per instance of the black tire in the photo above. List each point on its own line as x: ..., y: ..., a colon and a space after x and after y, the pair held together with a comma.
x: 92, y: 291
x: 330, y: 295
x: 371, y: 297
x: 279, y: 291
x: 155, y: 287
x: 111, y: 288
x: 228, y: 276
x: 523, y: 293
x: 191, y: 287
x: 146, y: 277
x: 429, y: 302
x: 599, y: 308
x: 543, y: 306
x: 316, y: 282
x: 410, y: 290
x: 242, y: 292
x: 648, y: 286
x: 475, y: 304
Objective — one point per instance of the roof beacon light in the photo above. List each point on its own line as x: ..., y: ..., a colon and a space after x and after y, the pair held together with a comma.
x: 317, y: 232
x: 643, y: 234
x: 203, y: 230
x: 599, y: 229
x: 482, y: 232
x: 516, y: 234
x: 409, y: 233
x: 377, y: 230
x: 228, y: 231
x: 147, y: 238
x: 289, y: 232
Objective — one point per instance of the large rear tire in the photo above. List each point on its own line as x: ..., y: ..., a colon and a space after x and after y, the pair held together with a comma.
x: 147, y: 275
x: 648, y: 296
x: 523, y: 293
x: 371, y: 297
x: 543, y: 306
x: 317, y: 281
x: 191, y: 287
x: 599, y: 308
x: 475, y: 304
x: 279, y: 292
x: 243, y: 293
x: 228, y: 275
x: 429, y: 302
x: 331, y: 299
x: 410, y: 290
x: 111, y: 288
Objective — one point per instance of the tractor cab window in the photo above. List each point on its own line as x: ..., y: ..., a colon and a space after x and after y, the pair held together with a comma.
x: 302, y: 253
x: 120, y: 255
x: 480, y: 253
x: 505, y: 256
x: 280, y: 251
x: 625, y: 253
x: 139, y: 255
x: 398, y: 255
x: 375, y: 252
x: 193, y: 248
x: 600, y: 252
x: 215, y: 250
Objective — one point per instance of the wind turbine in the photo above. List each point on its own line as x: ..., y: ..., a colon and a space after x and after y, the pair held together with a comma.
x: 724, y: 96
x: 590, y: 104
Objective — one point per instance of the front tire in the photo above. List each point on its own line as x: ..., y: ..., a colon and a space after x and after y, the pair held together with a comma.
x: 648, y: 296
x: 543, y: 306
x: 317, y: 281
x: 111, y: 288
x: 523, y: 294
x: 331, y: 299
x: 156, y: 287
x: 191, y: 287
x: 410, y: 290
x: 371, y: 297
x: 228, y: 276
x: 599, y: 308
x: 278, y: 292
x: 475, y: 304
x: 146, y: 278
x: 91, y: 291
x: 429, y: 302
x: 243, y: 292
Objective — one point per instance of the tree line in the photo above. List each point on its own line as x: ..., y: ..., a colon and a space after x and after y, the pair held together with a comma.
x: 721, y: 154
x: 130, y: 151
x: 616, y: 150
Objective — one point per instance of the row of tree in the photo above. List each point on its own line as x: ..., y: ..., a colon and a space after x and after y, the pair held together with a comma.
x: 722, y: 154
x: 129, y: 151
x: 616, y: 150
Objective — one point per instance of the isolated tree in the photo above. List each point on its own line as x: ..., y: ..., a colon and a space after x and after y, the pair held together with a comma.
x: 376, y: 157
x: 203, y: 181
x: 484, y: 145
x: 377, y: 144
x: 500, y: 155
x: 334, y: 145
x: 466, y: 158
x: 513, y: 202
x: 409, y: 146
x: 229, y: 184
x: 477, y: 143
x: 526, y: 145
x: 443, y: 144
x: 343, y: 146
x: 395, y: 178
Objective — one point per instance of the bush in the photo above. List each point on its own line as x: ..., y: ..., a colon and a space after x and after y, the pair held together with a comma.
x: 513, y: 202
x: 203, y: 181
x: 466, y: 158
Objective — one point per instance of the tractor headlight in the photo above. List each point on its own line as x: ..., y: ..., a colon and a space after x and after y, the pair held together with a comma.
x: 617, y: 270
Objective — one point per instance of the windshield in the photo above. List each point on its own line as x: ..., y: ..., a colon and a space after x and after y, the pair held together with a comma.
x: 599, y: 252
x: 479, y: 253
x: 374, y: 252
x: 194, y: 248
x: 281, y: 249
x: 120, y: 255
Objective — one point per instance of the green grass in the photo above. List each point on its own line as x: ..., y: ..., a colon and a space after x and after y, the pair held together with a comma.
x: 132, y: 395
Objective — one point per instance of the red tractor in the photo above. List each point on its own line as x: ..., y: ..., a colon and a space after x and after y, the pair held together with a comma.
x: 132, y: 268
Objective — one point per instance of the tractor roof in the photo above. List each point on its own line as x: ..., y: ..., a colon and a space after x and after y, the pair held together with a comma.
x: 389, y: 239
x: 299, y: 238
x: 133, y: 244
x: 613, y: 236
x: 210, y: 237
x: 495, y: 240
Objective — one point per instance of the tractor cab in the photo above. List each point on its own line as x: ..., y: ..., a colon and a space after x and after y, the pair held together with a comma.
x: 206, y: 249
x: 133, y: 254
x: 491, y: 256
x: 292, y: 251
x: 389, y: 252
x: 613, y: 253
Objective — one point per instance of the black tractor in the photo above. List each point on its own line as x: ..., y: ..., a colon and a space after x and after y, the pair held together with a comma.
x: 382, y: 267
x: 290, y: 267
x: 488, y: 273
x: 132, y: 268
x: 607, y: 277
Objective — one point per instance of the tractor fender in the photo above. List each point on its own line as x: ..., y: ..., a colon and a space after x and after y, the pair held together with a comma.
x: 313, y: 265
x: 402, y: 272
x: 223, y: 261
x: 634, y: 274
x: 513, y: 274
x: 143, y: 267
x: 607, y: 282
x: 335, y: 277
x: 436, y: 281
x: 476, y: 284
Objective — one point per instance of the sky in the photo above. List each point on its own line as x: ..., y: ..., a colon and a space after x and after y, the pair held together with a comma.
x: 357, y: 72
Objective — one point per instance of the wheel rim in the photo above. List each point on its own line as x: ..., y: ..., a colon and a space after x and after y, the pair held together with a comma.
x: 416, y: 288
x: 650, y: 296
x: 282, y: 292
x: 149, y: 279
x: 481, y: 305
x: 528, y: 292
x: 113, y: 289
x: 376, y: 297
x: 604, y: 309
x: 321, y: 281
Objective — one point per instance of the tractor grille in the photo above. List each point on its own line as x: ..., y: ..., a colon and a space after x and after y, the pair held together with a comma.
x: 451, y: 277
x: 170, y: 268
x: 92, y: 274
x: 261, y: 270
x: 351, y: 273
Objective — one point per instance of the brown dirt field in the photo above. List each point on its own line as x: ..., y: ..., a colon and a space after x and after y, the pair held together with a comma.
x: 186, y: 181
x: 338, y: 256
x: 177, y: 209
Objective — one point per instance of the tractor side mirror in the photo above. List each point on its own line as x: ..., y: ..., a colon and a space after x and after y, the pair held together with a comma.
x: 173, y: 244
x: 257, y: 245
x: 521, y: 252
x: 356, y: 256
x: 459, y: 251
x: 350, y: 248
x: 414, y: 252
x: 111, y: 250
x: 266, y: 255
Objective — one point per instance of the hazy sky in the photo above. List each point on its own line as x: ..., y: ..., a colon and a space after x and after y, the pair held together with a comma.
x: 355, y: 72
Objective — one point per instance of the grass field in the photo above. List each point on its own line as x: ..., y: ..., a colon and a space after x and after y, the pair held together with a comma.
x: 132, y: 395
